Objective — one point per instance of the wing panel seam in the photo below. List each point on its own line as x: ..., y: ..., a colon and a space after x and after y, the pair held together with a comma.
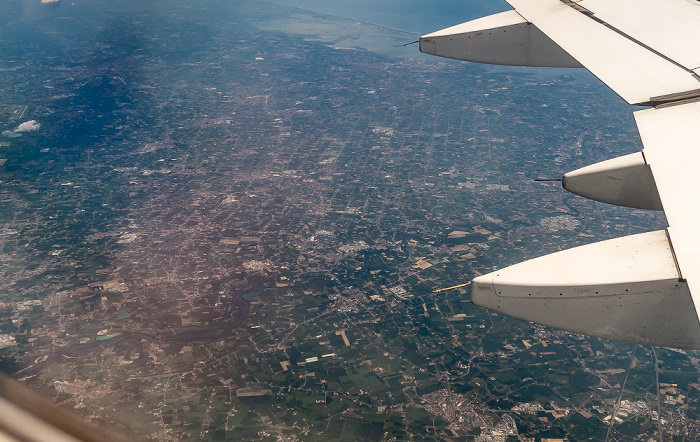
x: 675, y: 260
x: 592, y: 16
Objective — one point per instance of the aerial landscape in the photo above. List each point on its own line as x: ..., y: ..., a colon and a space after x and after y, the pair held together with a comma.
x: 227, y: 220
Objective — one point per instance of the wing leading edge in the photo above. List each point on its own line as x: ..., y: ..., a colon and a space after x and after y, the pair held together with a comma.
x: 641, y: 288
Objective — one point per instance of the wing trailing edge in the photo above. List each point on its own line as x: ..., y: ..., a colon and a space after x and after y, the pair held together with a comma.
x: 573, y: 36
x: 641, y: 288
x: 627, y: 289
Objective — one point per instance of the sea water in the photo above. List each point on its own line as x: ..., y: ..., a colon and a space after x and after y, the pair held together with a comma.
x: 420, y: 16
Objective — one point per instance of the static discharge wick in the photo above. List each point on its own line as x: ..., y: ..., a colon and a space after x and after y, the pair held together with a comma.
x: 453, y: 287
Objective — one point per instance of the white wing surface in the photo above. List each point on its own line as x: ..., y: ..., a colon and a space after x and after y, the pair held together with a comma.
x: 641, y: 288
x: 671, y: 137
x: 637, y: 72
x: 669, y: 27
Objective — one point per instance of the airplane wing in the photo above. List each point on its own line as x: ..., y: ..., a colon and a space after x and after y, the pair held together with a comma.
x: 642, y: 288
x: 26, y: 416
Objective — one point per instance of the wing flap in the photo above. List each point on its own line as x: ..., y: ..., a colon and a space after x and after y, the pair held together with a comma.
x: 632, y: 70
x: 670, y: 27
x: 671, y: 137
